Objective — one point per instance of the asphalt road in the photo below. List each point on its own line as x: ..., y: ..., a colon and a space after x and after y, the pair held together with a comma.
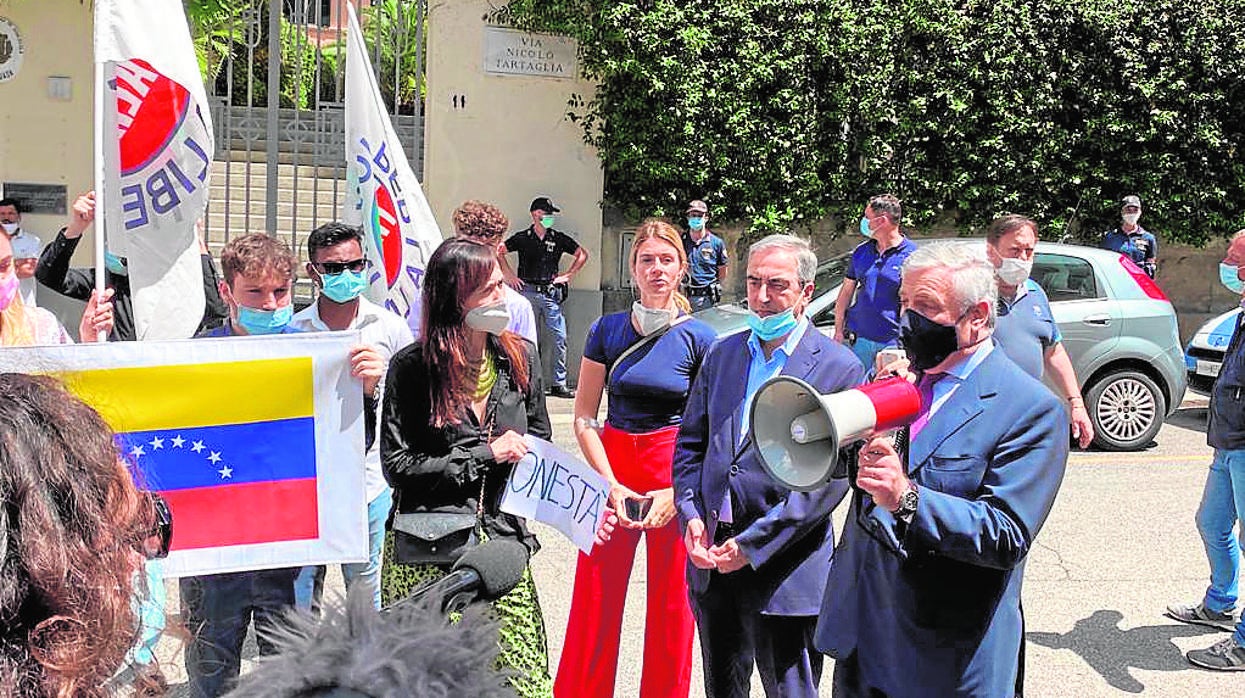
x: 1118, y: 547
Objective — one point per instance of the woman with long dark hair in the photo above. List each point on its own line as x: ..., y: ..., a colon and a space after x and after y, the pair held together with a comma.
x: 457, y: 405
x: 645, y: 358
x: 72, y: 526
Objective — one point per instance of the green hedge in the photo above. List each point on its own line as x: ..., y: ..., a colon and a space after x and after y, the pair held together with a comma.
x: 786, y: 111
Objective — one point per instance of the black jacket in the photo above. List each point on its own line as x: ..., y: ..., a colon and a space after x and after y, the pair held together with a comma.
x: 55, y: 273
x: 439, y: 468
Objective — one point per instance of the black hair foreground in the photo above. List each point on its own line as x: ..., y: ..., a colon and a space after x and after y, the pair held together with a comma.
x: 411, y: 649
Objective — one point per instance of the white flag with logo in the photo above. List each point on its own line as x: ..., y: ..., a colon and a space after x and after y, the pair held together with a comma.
x: 383, y: 194
x: 158, y: 148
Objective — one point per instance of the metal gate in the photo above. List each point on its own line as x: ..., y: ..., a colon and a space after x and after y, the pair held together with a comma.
x: 280, y: 157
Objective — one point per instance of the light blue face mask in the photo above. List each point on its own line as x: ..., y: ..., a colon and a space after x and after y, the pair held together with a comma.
x: 864, y: 228
x: 1228, y: 276
x: 114, y: 264
x: 772, y: 326
x: 696, y: 222
x: 265, y: 321
x: 343, y: 287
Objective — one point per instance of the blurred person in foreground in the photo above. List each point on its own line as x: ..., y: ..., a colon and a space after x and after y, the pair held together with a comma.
x: 73, y: 532
x: 924, y: 595
x: 646, y: 359
x: 1223, y: 499
x: 1025, y: 328
x: 457, y: 405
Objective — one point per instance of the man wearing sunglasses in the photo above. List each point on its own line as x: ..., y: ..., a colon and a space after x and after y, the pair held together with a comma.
x: 923, y: 598
x: 339, y: 269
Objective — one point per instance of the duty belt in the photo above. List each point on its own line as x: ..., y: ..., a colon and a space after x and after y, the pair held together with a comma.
x: 699, y: 290
x: 539, y: 287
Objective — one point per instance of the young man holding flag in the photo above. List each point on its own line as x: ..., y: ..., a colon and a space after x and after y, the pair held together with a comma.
x: 338, y: 269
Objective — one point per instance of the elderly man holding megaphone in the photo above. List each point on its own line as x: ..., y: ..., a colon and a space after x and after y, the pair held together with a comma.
x: 923, y: 597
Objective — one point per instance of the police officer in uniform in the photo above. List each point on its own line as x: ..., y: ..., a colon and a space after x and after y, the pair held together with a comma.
x: 706, y: 259
x: 1131, y: 239
x: 540, y: 250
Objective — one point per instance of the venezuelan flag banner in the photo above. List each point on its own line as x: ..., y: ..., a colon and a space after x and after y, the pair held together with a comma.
x: 256, y: 442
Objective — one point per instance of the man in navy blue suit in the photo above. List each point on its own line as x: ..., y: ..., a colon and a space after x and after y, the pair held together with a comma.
x: 924, y: 595
x: 758, y: 553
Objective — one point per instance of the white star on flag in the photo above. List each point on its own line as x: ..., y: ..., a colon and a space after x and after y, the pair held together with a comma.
x: 197, y: 446
x: 157, y: 442
x: 226, y: 472
x: 178, y: 441
x: 215, y: 457
x: 137, y: 452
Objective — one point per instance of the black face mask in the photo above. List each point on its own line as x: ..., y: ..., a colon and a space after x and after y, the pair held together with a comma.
x: 926, y: 342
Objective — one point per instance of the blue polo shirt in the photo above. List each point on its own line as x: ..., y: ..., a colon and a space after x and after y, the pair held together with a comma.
x: 650, y: 387
x: 1139, y: 245
x: 874, y: 314
x: 704, y: 258
x: 1026, y: 328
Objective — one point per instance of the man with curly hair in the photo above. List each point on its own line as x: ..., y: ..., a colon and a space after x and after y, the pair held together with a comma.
x: 485, y: 223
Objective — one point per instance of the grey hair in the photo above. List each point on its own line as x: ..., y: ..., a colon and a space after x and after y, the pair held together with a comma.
x: 970, y: 272
x: 806, y: 259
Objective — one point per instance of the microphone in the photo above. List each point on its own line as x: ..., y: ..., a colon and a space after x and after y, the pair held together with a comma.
x: 484, y: 573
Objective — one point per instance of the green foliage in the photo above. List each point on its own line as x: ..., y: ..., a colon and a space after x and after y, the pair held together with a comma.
x: 394, y: 26
x: 785, y: 111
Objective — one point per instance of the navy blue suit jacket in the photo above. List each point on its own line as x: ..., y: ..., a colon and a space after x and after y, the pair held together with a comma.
x: 937, y: 611
x: 787, y: 536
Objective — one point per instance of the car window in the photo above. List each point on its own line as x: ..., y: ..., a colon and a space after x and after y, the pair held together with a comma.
x: 1065, y: 278
x: 828, y: 278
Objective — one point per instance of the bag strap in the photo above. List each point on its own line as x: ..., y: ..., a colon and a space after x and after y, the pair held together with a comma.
x: 640, y: 344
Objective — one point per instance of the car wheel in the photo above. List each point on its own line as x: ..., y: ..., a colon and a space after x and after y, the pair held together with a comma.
x: 1127, y: 409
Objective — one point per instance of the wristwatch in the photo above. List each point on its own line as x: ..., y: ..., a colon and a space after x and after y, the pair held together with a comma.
x: 907, y: 504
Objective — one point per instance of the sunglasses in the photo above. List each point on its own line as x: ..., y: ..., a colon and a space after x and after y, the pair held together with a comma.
x: 332, y: 268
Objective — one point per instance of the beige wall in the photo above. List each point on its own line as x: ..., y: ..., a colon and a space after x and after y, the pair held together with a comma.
x: 42, y: 140
x: 511, y: 143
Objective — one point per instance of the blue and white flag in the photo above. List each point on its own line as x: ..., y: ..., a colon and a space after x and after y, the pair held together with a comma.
x: 382, y: 193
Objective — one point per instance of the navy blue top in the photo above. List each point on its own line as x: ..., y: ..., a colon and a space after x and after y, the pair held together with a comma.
x: 1139, y: 245
x: 875, y: 313
x: 649, y: 389
x: 1226, y: 427
x: 1026, y: 329
x: 704, y: 258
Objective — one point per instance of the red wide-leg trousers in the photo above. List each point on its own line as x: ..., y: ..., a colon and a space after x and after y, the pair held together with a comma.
x: 590, y: 655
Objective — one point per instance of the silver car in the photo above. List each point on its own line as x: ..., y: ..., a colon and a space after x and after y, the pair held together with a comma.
x: 1118, y: 328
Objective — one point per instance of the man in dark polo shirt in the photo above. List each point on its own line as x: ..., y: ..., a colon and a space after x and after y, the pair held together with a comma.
x: 706, y: 259
x: 540, y: 250
x: 871, y: 322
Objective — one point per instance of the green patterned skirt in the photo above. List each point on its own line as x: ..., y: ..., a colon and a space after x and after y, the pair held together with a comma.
x: 524, y: 651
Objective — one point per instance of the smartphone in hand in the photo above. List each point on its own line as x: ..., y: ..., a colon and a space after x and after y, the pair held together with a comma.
x: 637, y: 508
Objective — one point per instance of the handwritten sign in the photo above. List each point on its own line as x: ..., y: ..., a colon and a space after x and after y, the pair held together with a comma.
x: 511, y: 52
x: 553, y: 487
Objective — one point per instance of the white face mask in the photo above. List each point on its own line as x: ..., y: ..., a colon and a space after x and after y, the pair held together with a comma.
x: 650, y: 320
x: 1132, y: 218
x: 10, y: 228
x: 1014, y: 271
x: 493, y: 319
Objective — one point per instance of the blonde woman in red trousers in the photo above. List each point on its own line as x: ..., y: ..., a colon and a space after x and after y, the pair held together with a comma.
x: 645, y: 359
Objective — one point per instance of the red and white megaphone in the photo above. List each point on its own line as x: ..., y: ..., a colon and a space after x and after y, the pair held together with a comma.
x: 798, y: 431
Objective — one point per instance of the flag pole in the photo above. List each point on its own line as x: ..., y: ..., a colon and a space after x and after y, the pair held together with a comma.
x: 100, y: 88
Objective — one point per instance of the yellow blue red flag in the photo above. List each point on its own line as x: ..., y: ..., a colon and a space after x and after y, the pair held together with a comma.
x: 256, y: 442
